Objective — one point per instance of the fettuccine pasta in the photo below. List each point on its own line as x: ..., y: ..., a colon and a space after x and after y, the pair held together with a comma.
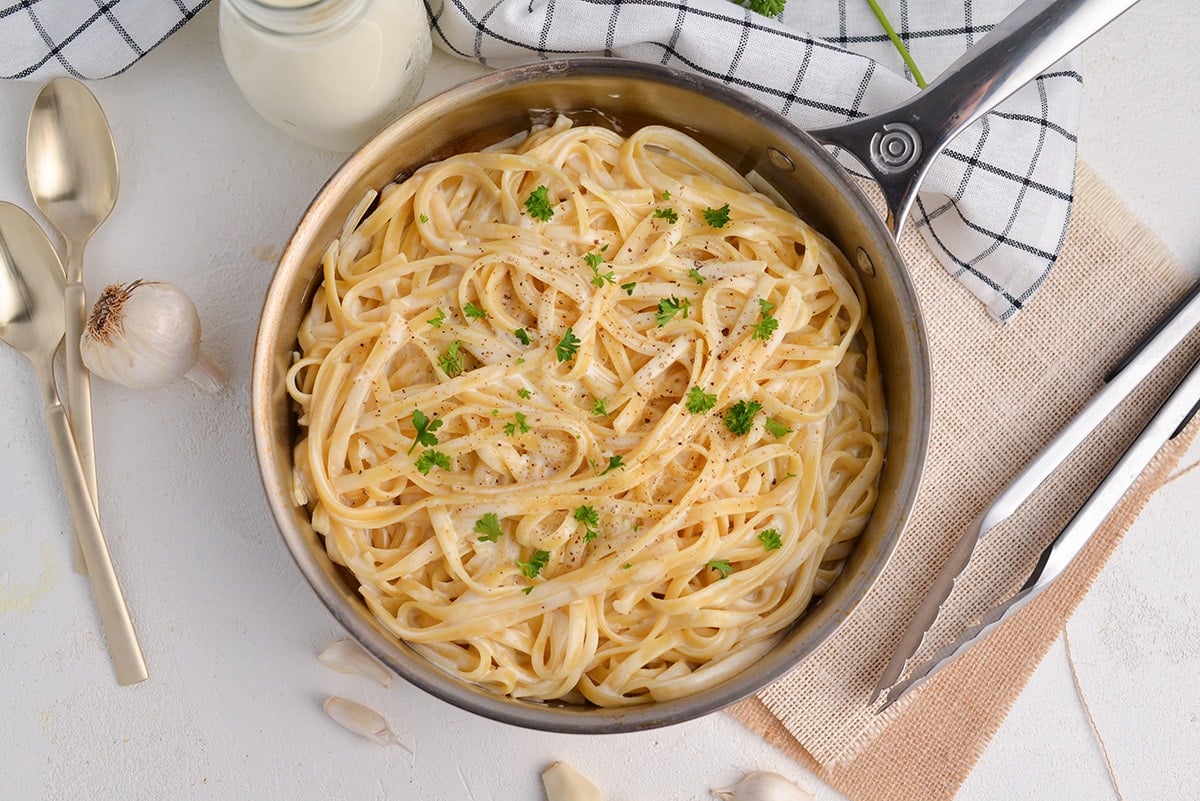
x: 588, y: 417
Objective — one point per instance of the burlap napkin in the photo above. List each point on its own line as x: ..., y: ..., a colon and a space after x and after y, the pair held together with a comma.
x: 1000, y: 393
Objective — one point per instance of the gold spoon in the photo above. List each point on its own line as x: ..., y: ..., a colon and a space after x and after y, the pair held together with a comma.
x: 31, y: 320
x: 71, y: 164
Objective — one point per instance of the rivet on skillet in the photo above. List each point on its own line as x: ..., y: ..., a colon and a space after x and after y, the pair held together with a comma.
x: 896, y: 147
x: 781, y: 161
x: 863, y: 262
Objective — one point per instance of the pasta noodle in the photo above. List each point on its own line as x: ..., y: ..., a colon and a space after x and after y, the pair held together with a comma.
x: 588, y: 417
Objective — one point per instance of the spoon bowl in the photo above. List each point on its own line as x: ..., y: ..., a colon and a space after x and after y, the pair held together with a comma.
x: 31, y: 321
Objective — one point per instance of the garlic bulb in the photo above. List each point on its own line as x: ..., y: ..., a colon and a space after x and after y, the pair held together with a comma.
x: 362, y: 720
x: 564, y: 783
x: 145, y: 334
x: 761, y: 785
x: 347, y: 656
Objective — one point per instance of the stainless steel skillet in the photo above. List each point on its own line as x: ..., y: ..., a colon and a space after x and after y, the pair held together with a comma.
x: 624, y: 96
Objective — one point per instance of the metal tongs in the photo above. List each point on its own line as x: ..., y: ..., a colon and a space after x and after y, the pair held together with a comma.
x: 1167, y: 423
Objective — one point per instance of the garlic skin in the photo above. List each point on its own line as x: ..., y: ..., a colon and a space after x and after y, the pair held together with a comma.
x: 564, y: 783
x: 347, y: 656
x: 762, y: 785
x: 146, y: 334
x: 362, y: 720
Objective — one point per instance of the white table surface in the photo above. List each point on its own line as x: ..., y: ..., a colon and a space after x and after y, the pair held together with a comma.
x: 209, y: 193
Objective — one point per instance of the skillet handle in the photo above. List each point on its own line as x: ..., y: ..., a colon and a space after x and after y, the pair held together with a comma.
x: 898, y: 145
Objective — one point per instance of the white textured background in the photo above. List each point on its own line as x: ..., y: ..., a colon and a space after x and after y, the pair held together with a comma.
x: 209, y: 194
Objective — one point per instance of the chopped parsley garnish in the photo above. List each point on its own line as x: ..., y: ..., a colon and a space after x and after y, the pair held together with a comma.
x: 527, y: 590
x: 425, y: 428
x: 613, y: 463
x: 699, y: 401
x: 600, y: 407
x: 599, y: 278
x: 722, y: 566
x: 424, y: 217
x: 522, y: 336
x: 627, y: 565
x: 538, y: 205
x: 488, y: 527
x: 519, y: 427
x: 667, y: 214
x: 740, y: 416
x: 669, y: 307
x: 666, y: 195
x: 776, y: 428
x: 567, y: 347
x: 524, y: 394
x: 430, y: 459
x: 770, y: 539
x: 439, y: 318
x: 591, y: 522
x: 452, y: 361
x: 717, y: 218
x: 473, y: 311
x: 632, y: 285
x: 534, y: 566
x: 696, y: 275
x: 766, y: 326
x: 595, y: 258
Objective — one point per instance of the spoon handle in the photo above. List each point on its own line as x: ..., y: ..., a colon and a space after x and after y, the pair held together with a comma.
x: 79, y: 388
x: 123, y: 647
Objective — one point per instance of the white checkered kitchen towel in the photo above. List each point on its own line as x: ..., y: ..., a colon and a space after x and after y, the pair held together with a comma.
x: 995, y: 205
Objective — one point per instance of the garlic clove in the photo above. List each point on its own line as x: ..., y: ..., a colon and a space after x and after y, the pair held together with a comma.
x: 362, y: 720
x: 564, y: 783
x: 347, y: 656
x: 762, y: 785
x: 146, y: 334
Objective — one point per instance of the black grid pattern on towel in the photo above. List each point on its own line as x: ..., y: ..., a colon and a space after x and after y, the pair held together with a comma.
x: 84, y: 38
x: 996, y: 205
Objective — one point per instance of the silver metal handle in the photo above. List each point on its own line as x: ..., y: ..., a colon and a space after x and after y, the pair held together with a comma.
x: 123, y: 647
x: 898, y: 145
x: 79, y: 387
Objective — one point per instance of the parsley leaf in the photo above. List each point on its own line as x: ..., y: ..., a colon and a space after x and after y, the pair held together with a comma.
x: 717, y: 218
x: 439, y: 318
x: 770, y: 539
x: 534, y: 566
x: 740, y: 416
x: 722, y: 566
x: 522, y: 336
x: 776, y: 428
x: 524, y: 394
x: 591, y: 522
x: 567, y: 347
x: 766, y: 326
x: 424, y: 217
x: 595, y: 258
x: 699, y: 401
x: 667, y: 214
x: 430, y: 459
x: 669, y: 307
x: 627, y: 565
x: 527, y: 590
x: 519, y: 427
x: 538, y: 205
x: 600, y: 407
x: 666, y: 195
x: 599, y: 278
x: 474, y: 312
x: 629, y: 288
x: 488, y: 527
x: 452, y: 361
x: 696, y: 275
x: 425, y: 428
x: 613, y: 463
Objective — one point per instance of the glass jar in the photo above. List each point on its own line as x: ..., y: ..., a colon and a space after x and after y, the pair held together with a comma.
x: 330, y: 72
